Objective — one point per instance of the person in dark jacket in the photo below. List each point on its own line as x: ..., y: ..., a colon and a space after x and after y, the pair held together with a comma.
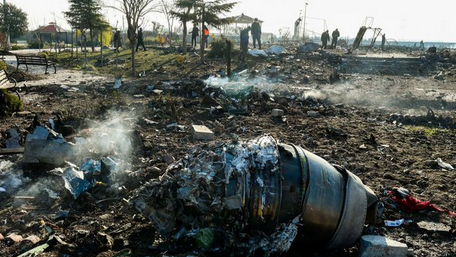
x: 195, y: 33
x: 256, y: 33
x: 140, y: 40
x: 335, y: 35
x: 117, y: 41
x: 244, y: 39
x: 324, y: 39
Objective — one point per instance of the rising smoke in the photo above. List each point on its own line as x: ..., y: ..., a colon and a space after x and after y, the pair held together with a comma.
x: 108, y: 139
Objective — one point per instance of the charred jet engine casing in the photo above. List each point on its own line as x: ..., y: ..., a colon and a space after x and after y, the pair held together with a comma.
x: 259, y: 185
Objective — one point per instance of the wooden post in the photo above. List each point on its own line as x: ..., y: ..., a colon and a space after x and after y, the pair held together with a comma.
x: 101, y: 46
x: 228, y: 58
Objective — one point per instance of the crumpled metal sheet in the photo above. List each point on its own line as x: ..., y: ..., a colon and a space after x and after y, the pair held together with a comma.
x: 76, y: 181
x: 47, y: 146
x: 13, y: 139
x: 280, y: 241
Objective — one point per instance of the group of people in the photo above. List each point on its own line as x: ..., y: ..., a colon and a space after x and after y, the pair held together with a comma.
x: 195, y: 34
x: 255, y: 31
x: 117, y: 40
x: 325, y: 38
x: 335, y: 35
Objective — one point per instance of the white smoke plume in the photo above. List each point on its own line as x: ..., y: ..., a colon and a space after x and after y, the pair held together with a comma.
x: 109, y: 137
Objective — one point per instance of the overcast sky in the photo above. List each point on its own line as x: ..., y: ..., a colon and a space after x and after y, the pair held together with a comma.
x: 399, y: 19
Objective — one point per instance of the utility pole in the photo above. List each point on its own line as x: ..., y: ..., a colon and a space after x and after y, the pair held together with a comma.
x: 304, y: 23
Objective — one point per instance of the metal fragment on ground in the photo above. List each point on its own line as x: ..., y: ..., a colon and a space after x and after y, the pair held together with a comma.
x: 46, y: 146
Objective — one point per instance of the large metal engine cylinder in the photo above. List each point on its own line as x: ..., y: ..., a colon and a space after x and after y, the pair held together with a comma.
x: 261, y: 184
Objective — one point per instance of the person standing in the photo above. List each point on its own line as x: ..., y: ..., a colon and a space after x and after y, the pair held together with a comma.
x: 256, y: 33
x: 162, y: 39
x: 116, y: 41
x: 140, y: 40
x: 244, y: 39
x: 195, y: 33
x: 383, y: 41
x: 205, y: 34
x: 324, y: 39
x: 335, y: 35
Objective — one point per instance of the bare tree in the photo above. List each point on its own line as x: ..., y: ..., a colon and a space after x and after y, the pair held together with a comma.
x: 167, y: 8
x: 285, y: 34
x: 134, y: 11
x: 155, y: 27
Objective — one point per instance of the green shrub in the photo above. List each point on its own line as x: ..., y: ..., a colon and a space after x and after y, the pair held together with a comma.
x: 9, y: 103
x: 218, y: 48
x: 44, y: 54
x: 17, y: 47
x: 148, y: 41
x: 3, y: 65
x: 35, y: 45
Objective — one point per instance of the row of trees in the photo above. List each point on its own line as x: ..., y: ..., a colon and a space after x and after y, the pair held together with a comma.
x: 86, y: 16
x: 204, y: 12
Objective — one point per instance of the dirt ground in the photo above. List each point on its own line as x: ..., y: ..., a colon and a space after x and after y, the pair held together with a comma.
x: 386, y: 117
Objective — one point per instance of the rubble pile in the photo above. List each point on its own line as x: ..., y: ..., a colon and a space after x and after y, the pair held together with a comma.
x: 212, y: 192
x: 231, y: 190
x: 251, y: 193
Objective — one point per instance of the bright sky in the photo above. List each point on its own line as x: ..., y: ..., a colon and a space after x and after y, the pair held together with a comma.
x: 399, y: 19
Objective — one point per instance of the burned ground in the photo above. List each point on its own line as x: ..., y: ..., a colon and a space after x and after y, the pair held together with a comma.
x: 387, y: 123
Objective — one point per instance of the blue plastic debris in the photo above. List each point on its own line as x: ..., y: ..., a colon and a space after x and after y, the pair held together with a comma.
x: 76, y: 181
x: 91, y: 166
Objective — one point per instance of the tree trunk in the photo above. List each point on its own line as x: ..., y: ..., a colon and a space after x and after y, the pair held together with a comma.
x: 184, y: 38
x: 228, y: 58
x: 84, y: 38
x: 101, y: 49
x: 170, y: 34
x: 202, y: 38
x: 77, y: 49
x: 133, y: 46
x: 72, y: 42
x: 91, y: 39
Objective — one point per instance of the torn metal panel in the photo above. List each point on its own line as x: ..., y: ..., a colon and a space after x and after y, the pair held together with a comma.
x: 76, y: 181
x: 47, y: 146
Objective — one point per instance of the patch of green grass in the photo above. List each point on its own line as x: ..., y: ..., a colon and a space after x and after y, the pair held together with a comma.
x: 89, y: 68
x: 145, y: 61
x: 428, y: 132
